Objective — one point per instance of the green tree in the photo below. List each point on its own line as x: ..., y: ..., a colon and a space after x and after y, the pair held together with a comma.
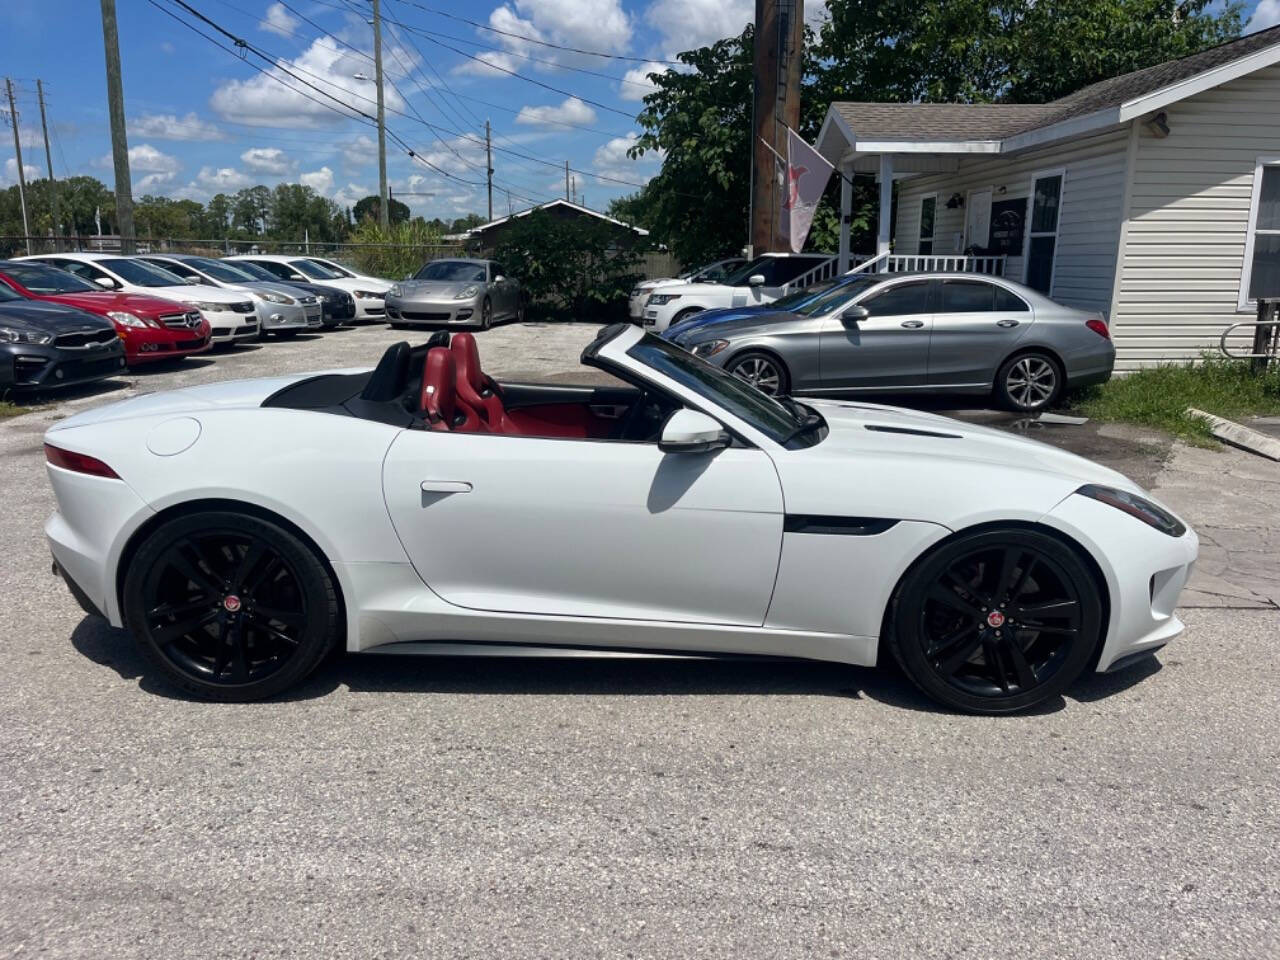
x: 368, y: 208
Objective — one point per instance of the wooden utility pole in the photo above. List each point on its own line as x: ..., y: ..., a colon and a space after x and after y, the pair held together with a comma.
x: 488, y: 166
x: 119, y: 141
x: 776, y: 106
x: 384, y: 206
x: 48, y: 159
x: 17, y: 149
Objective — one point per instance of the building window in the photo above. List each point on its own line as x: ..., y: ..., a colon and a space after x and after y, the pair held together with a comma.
x: 1261, y: 275
x: 1042, y: 230
x: 928, y: 209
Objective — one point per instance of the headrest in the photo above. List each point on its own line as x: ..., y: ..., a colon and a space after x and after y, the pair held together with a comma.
x: 466, y: 356
x: 438, y: 339
x: 439, y: 387
x: 390, y: 377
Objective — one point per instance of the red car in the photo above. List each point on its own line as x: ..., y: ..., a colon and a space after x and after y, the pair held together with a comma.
x: 152, y: 328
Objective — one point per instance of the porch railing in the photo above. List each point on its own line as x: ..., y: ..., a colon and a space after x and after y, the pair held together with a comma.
x: 932, y: 263
x: 823, y: 271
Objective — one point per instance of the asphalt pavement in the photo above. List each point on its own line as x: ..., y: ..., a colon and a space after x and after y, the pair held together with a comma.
x: 402, y: 807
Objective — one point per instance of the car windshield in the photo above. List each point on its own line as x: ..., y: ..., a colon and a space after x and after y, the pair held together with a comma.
x: 141, y: 274
x: 337, y: 268
x: 833, y: 297
x: 44, y: 280
x: 6, y: 294
x: 455, y: 271
x: 739, y: 278
x: 255, y: 271
x: 221, y: 271
x: 776, y: 420
x: 316, y: 271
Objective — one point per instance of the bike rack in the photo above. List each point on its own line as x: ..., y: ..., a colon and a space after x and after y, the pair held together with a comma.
x: 1269, y: 329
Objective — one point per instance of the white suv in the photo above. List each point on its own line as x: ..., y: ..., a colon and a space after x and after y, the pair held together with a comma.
x: 763, y: 280
x: 710, y: 273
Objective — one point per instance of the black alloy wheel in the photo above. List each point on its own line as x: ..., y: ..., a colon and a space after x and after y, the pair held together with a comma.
x: 230, y: 607
x: 997, y: 621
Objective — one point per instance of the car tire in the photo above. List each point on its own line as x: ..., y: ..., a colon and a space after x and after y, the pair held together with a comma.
x: 997, y: 620
x: 763, y: 371
x: 486, y: 314
x: 231, y: 607
x: 520, y: 310
x: 682, y: 316
x: 1029, y: 382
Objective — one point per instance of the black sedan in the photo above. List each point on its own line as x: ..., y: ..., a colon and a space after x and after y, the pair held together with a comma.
x: 51, y: 345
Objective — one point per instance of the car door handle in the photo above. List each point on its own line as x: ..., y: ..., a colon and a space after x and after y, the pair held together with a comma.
x: 445, y: 486
x: 913, y: 324
x: 1006, y: 323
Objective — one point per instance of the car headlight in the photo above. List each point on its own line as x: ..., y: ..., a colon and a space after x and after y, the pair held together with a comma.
x: 708, y: 348
x: 368, y: 295
x: 320, y: 298
x: 1136, y: 506
x: 467, y: 294
x: 636, y: 292
x: 272, y: 297
x: 662, y: 299
x: 127, y: 319
x: 395, y: 290
x: 202, y: 306
x: 11, y: 335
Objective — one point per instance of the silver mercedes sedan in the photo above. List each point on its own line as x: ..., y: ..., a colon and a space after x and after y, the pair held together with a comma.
x: 455, y: 292
x: 906, y: 333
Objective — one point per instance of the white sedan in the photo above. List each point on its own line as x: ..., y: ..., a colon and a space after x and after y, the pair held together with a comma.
x: 369, y: 293
x: 683, y: 512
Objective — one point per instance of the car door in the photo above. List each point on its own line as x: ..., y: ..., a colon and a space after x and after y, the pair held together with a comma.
x: 506, y: 290
x: 976, y: 324
x: 889, y: 348
x: 86, y: 271
x: 588, y: 528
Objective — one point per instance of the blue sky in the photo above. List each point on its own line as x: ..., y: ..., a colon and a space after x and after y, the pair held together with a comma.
x: 202, y: 121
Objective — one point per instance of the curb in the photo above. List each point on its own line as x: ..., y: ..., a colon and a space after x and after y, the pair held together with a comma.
x: 1239, y: 436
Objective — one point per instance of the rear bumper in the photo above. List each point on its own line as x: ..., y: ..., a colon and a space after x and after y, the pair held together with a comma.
x: 26, y: 366
x: 1087, y: 367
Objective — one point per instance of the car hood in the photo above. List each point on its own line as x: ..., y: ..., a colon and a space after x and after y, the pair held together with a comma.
x: 46, y: 317
x: 725, y: 321
x: 199, y: 293
x: 436, y: 289
x: 271, y: 286
x: 136, y: 303
x: 351, y: 286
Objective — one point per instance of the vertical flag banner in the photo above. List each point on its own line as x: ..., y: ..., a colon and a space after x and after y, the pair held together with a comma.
x: 807, y: 176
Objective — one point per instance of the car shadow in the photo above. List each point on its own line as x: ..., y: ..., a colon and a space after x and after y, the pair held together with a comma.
x: 98, y: 641
x: 169, y: 366
x: 94, y: 388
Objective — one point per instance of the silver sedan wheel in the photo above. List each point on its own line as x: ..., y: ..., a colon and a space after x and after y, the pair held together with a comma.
x: 761, y: 372
x: 1031, y: 382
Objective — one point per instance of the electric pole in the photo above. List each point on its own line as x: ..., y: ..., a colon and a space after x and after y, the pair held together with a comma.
x: 48, y: 159
x: 779, y: 32
x: 17, y: 149
x: 566, y: 179
x: 384, y: 211
x: 119, y: 142
x: 488, y: 166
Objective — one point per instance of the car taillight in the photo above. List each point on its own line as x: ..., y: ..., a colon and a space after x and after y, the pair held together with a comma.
x: 1098, y: 326
x: 78, y: 462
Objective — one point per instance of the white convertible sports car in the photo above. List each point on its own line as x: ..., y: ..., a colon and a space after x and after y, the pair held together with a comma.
x: 241, y: 530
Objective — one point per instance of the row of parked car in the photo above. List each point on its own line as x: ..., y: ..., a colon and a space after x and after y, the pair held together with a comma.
x: 74, y: 317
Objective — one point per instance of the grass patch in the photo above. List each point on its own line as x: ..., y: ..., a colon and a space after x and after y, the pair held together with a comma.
x: 1159, y: 396
x: 8, y: 409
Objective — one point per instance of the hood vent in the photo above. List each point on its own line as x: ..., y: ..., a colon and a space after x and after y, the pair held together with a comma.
x: 912, y: 431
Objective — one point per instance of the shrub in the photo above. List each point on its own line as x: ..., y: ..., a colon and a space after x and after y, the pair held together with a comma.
x: 399, y: 251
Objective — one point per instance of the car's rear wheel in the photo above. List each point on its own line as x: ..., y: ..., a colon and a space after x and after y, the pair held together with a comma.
x: 1029, y: 382
x: 230, y: 606
x: 997, y: 621
x: 763, y: 371
x: 683, y: 315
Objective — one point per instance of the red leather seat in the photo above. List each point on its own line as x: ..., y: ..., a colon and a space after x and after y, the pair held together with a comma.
x: 439, y: 403
x: 475, y: 388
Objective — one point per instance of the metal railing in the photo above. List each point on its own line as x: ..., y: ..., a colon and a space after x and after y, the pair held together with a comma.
x: 991, y: 265
x: 1265, y: 345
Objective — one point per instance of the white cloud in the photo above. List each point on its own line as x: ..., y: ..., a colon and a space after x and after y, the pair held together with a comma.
x: 168, y: 126
x: 611, y: 160
x: 223, y: 179
x: 149, y: 183
x: 572, y: 111
x: 349, y: 195
x: 489, y: 63
x: 278, y: 99
x: 321, y: 181
x: 636, y: 84
x: 597, y: 25
x: 167, y: 47
x: 270, y: 160
x: 1266, y: 14
x: 145, y: 158
x: 11, y: 172
x: 279, y: 21
x: 689, y: 24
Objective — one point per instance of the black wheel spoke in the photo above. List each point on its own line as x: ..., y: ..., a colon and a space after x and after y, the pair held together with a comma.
x: 176, y: 559
x: 1053, y: 608
x: 290, y: 618
x: 171, y: 631
x: 991, y: 653
x: 945, y: 595
x: 264, y: 574
x: 1004, y: 582
x: 239, y: 655
x: 952, y: 662
x: 259, y: 623
x: 252, y: 557
x: 946, y: 643
x: 180, y: 609
x: 1021, y: 668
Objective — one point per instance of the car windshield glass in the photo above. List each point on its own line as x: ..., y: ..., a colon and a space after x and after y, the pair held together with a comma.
x: 771, y: 417
x: 6, y: 294
x: 222, y: 271
x: 45, y: 280
x: 834, y: 297
x: 255, y: 271
x: 739, y: 278
x: 455, y: 271
x: 141, y: 274
x: 337, y: 268
x: 316, y: 271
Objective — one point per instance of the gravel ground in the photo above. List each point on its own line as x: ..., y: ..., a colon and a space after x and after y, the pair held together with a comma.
x: 480, y: 808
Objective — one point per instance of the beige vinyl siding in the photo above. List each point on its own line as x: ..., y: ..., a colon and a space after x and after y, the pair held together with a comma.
x: 1088, y: 225
x: 1188, y: 219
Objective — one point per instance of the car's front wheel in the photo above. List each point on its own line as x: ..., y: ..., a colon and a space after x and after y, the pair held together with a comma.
x: 996, y: 621
x: 230, y: 606
x: 763, y: 371
x: 486, y: 314
x: 1029, y: 382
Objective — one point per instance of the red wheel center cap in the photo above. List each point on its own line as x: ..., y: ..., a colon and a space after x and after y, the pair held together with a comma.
x: 995, y: 619
x: 231, y: 603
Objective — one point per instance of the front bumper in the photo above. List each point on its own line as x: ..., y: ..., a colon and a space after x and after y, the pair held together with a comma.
x: 226, y: 326
x: 149, y: 345
x: 337, y: 308
x: 28, y: 366
x: 367, y: 309
x: 1144, y: 569
x: 432, y: 312
x: 281, y: 316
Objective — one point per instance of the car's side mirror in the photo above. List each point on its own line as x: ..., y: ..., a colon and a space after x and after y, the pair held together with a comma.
x: 105, y: 282
x: 408, y: 276
x: 854, y: 315
x: 689, y: 431
x: 297, y: 276
x: 499, y: 278
x: 756, y: 280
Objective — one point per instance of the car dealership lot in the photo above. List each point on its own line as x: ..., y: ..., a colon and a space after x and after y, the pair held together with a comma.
x: 399, y: 806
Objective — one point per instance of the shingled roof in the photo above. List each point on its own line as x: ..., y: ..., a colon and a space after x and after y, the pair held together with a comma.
x: 998, y: 121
